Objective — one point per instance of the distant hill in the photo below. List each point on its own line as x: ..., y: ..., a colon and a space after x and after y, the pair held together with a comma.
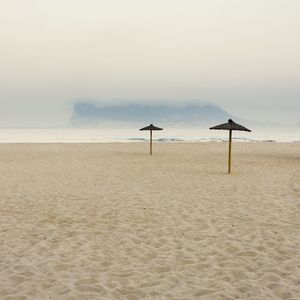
x: 91, y: 114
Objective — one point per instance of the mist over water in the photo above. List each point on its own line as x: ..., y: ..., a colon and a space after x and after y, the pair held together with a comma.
x: 131, y: 133
x: 241, y: 55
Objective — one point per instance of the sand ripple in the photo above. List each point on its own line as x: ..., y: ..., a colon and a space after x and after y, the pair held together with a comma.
x: 109, y: 222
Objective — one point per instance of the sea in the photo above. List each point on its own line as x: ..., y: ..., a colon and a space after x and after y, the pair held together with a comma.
x: 123, y: 134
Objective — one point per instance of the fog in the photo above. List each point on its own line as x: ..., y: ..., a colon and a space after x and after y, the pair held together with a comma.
x: 241, y: 55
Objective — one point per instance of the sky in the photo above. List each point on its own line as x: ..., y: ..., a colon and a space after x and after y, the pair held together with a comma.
x: 240, y: 54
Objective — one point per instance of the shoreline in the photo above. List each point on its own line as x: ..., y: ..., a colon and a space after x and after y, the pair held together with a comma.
x: 238, y: 141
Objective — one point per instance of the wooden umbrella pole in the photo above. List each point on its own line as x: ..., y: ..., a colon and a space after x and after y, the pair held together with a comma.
x: 229, y: 154
x: 150, y: 142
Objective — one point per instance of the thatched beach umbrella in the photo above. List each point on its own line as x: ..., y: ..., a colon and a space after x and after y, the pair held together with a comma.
x: 151, y: 127
x: 230, y: 126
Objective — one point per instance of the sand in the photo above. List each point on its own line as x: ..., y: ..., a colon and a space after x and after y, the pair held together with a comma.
x: 107, y: 221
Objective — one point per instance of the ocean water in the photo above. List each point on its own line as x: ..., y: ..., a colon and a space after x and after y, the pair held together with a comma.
x: 132, y: 134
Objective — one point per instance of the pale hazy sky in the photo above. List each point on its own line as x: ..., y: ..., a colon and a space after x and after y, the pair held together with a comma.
x: 241, y: 54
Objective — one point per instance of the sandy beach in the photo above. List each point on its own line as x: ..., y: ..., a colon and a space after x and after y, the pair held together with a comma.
x: 107, y: 221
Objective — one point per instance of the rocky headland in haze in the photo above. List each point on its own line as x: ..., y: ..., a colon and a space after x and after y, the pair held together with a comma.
x: 94, y: 113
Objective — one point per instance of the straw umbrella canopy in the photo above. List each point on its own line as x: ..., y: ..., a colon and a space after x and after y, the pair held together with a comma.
x: 150, y: 128
x: 230, y: 126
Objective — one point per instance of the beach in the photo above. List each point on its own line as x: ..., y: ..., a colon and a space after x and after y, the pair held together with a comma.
x: 109, y: 221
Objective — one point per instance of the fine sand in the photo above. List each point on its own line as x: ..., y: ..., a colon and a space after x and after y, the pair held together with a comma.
x: 107, y: 221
